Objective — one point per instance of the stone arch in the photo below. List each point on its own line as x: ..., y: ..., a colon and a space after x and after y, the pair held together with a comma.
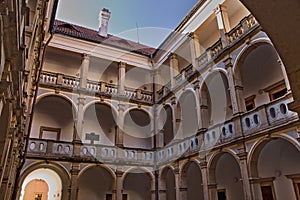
x: 215, y: 98
x: 271, y: 80
x: 54, y: 118
x: 60, y: 170
x: 96, y: 181
x: 138, y: 128
x: 191, y: 180
x: 115, y: 111
x: 100, y: 119
x: 224, y: 173
x: 271, y: 161
x: 131, y: 180
x: 187, y: 114
x: 44, y: 95
x: 167, y: 183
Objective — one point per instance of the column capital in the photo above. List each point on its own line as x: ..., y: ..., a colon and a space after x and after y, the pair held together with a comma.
x: 228, y: 62
x: 81, y: 100
x: 122, y: 64
x: 85, y: 56
x: 121, y: 107
x: 220, y: 8
x: 173, y: 56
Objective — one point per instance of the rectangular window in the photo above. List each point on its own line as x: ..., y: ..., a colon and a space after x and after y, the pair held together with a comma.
x: 250, y: 103
x: 125, y: 197
x: 267, y: 191
x: 49, y: 133
x: 222, y: 194
x: 276, y: 90
x: 108, y: 196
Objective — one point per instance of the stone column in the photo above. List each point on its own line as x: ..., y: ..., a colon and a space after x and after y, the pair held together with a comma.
x: 195, y: 48
x: 162, y: 190
x: 84, y: 69
x: 120, y: 129
x: 157, y: 82
x: 235, y: 88
x: 119, y: 185
x: 178, y: 184
x: 244, y: 172
x: 196, y: 85
x: 204, y: 173
x: 212, y: 190
x: 223, y: 23
x: 174, y: 69
x: 121, y: 78
x: 78, y: 133
x: 75, y: 169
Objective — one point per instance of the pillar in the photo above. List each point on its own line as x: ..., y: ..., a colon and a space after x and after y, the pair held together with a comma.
x: 223, y: 23
x: 162, y: 189
x: 119, y: 184
x: 204, y: 174
x: 84, y: 69
x: 235, y: 88
x: 244, y: 172
x: 174, y: 69
x: 196, y: 85
x: 195, y: 48
x: 121, y: 78
x: 75, y: 169
x: 120, y: 128
x: 213, y: 192
x: 157, y: 83
x: 79, y: 121
x: 177, y: 184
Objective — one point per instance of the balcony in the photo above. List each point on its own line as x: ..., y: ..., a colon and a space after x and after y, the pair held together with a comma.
x: 212, y: 54
x: 259, y: 121
x: 69, y: 83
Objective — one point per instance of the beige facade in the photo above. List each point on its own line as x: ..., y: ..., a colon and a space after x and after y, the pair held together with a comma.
x: 205, y: 116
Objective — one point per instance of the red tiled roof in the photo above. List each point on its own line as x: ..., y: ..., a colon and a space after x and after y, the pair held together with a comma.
x: 80, y: 32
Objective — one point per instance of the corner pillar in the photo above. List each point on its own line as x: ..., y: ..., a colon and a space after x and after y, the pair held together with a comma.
x: 223, y: 23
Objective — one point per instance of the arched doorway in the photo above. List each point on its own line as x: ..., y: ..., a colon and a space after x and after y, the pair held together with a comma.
x: 167, y: 184
x: 275, y: 163
x: 53, y: 119
x: 42, y: 184
x: 192, y: 181
x: 225, y: 174
x: 137, y: 185
x: 99, y: 119
x: 96, y: 183
x: 138, y: 129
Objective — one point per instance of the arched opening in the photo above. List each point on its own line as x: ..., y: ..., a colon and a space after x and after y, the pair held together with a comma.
x: 99, y: 119
x: 167, y: 185
x: 36, y: 189
x: 225, y: 172
x: 42, y: 184
x: 137, y: 185
x: 189, y: 117
x: 53, y: 119
x: 215, y: 99
x: 166, y: 124
x: 95, y: 183
x: 192, y: 181
x: 138, y: 129
x: 274, y: 163
x: 268, y: 84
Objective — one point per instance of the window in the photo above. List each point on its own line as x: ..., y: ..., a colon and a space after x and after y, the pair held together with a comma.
x: 276, y: 90
x: 125, y: 197
x: 267, y: 191
x: 108, y: 197
x: 38, y: 196
x: 250, y: 103
x: 49, y: 133
x: 222, y: 194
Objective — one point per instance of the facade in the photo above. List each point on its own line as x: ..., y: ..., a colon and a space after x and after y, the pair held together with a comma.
x: 204, y: 116
x: 24, y: 29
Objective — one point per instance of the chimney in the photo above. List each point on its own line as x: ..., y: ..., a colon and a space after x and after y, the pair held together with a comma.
x: 104, y: 16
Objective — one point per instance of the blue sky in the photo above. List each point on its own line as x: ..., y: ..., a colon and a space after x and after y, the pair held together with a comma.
x: 155, y: 18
